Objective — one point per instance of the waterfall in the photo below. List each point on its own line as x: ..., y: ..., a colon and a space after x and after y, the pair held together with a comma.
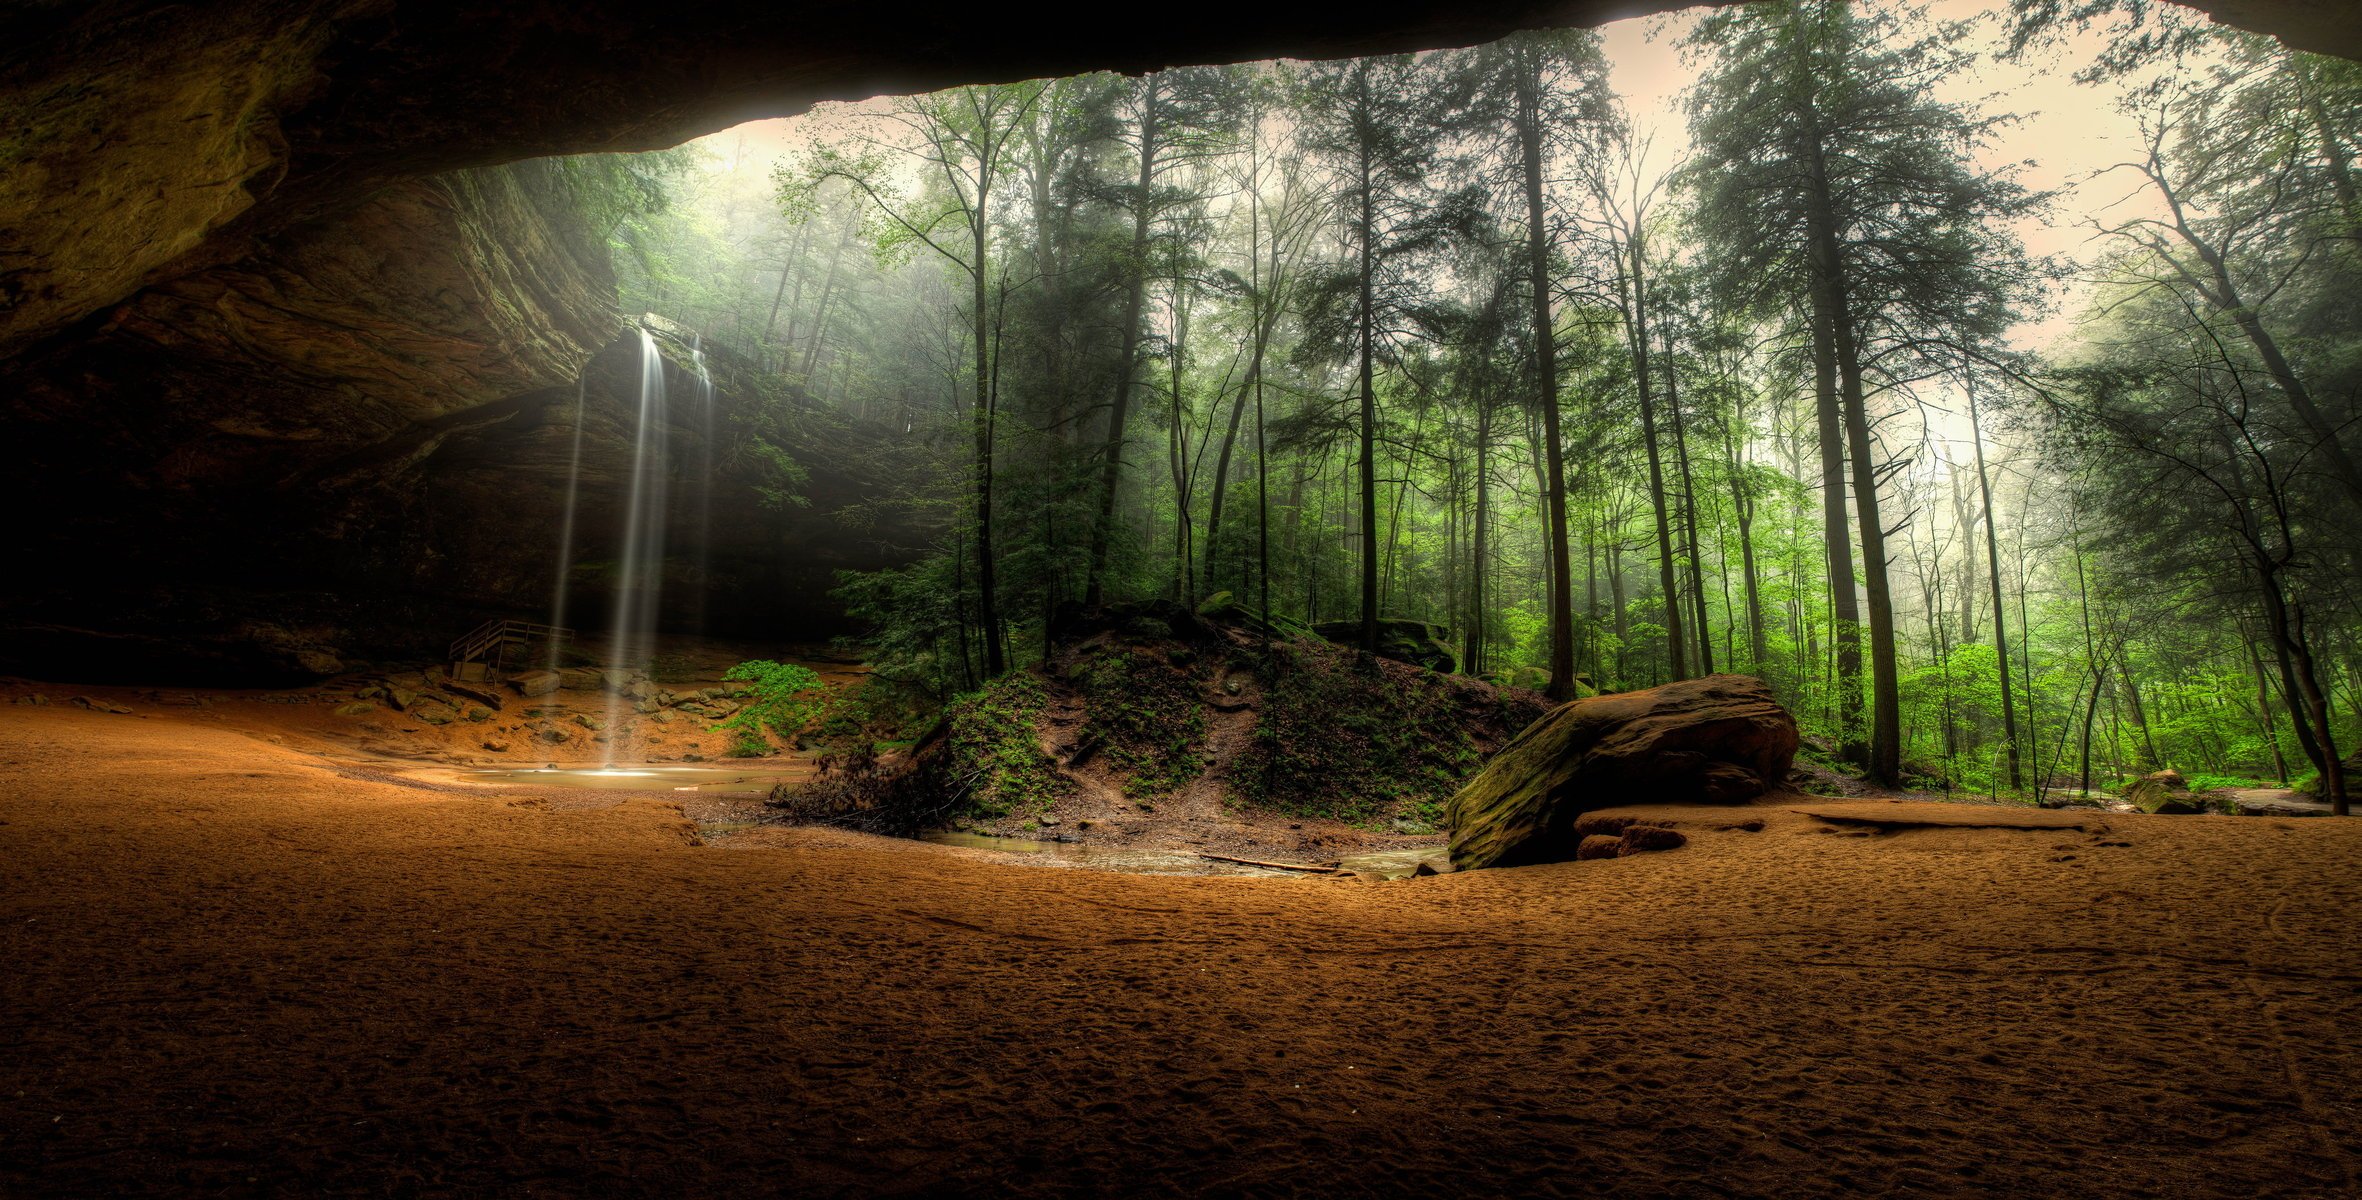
x: 705, y: 478
x: 557, y: 620
x: 639, y: 577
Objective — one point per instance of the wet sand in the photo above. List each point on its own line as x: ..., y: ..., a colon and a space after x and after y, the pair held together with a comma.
x: 237, y: 968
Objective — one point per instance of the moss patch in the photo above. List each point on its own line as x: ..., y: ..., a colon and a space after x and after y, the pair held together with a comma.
x: 1362, y: 741
x: 1146, y: 717
x: 991, y: 754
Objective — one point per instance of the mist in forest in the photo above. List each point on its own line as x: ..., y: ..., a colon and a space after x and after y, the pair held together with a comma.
x: 1986, y: 388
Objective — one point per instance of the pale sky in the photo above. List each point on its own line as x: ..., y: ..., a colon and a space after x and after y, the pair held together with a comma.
x: 2068, y: 131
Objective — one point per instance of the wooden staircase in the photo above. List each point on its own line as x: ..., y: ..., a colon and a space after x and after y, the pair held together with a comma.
x: 489, y: 647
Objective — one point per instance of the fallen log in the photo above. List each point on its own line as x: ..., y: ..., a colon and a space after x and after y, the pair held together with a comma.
x: 1309, y: 868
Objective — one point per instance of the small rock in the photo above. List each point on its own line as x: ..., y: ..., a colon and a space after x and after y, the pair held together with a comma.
x: 1640, y: 839
x: 496, y: 745
x: 401, y: 698
x: 552, y: 735
x: 1598, y: 845
x: 536, y: 683
x: 589, y: 722
x: 479, y: 715
x: 356, y: 709
x: 435, y: 714
x: 662, y: 716
x: 1049, y: 822
x: 692, y: 757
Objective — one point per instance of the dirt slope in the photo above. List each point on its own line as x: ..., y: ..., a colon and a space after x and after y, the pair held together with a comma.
x: 235, y: 968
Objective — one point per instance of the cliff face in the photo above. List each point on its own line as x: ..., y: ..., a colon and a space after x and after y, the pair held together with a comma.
x: 360, y: 438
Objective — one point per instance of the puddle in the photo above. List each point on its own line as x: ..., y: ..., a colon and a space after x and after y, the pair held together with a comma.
x: 1393, y: 864
x: 710, y: 781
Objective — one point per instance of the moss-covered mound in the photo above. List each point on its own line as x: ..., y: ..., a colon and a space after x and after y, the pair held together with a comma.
x: 1154, y: 712
x: 1338, y: 735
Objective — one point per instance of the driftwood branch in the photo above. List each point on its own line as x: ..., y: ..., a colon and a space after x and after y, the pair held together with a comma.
x: 1309, y: 868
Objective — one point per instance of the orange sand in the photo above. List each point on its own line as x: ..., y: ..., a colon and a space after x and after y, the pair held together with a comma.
x: 233, y: 967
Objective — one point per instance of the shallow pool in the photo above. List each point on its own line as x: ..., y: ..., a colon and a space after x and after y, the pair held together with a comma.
x: 650, y: 777
x: 1392, y: 864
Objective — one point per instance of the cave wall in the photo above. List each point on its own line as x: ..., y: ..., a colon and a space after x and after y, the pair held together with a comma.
x: 355, y: 444
x: 289, y: 358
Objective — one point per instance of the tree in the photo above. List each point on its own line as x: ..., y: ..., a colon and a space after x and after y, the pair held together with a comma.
x: 1378, y: 123
x: 1823, y: 158
x: 962, y: 140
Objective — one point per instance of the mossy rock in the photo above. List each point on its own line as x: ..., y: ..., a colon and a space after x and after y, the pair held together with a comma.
x: 1415, y: 642
x: 2163, y: 793
x: 1718, y: 740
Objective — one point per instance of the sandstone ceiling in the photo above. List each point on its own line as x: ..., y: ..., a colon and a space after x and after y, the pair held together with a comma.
x: 142, y: 140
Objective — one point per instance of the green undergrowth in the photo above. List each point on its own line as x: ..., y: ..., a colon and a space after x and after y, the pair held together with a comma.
x: 782, y: 699
x: 1145, y: 716
x: 1341, y: 739
x: 992, y: 759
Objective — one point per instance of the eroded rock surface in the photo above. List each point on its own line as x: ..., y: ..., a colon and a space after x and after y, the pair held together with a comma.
x: 1717, y: 740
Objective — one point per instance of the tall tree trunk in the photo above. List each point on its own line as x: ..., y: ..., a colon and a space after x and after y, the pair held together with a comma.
x: 1676, y: 652
x: 2263, y: 709
x: 1472, y: 660
x: 1884, y: 763
x: 1128, y: 361
x: 828, y: 290
x: 987, y: 583
x: 2219, y: 290
x: 2009, y: 715
x: 1526, y: 64
x: 1837, y: 539
x: 1743, y: 511
x: 1703, y: 639
x: 1365, y: 227
x: 1238, y: 409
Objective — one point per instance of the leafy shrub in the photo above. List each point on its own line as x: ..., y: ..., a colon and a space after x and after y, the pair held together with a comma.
x: 992, y: 763
x: 780, y: 700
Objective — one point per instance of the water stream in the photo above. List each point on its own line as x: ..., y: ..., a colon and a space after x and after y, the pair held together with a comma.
x: 639, y: 575
x: 649, y: 777
x: 557, y: 620
x: 705, y: 477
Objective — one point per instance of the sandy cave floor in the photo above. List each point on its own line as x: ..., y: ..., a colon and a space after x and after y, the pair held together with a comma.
x: 237, y: 967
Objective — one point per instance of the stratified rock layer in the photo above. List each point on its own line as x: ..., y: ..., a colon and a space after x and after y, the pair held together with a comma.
x: 1717, y: 740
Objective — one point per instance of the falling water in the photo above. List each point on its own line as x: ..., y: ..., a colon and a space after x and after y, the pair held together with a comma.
x: 705, y: 476
x: 557, y: 620
x: 639, y: 578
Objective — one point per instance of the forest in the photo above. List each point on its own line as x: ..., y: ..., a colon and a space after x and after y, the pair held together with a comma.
x: 1450, y: 337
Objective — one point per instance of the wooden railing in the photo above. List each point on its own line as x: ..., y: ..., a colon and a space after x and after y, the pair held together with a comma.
x: 489, y: 644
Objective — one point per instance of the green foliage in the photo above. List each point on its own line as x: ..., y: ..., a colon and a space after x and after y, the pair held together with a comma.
x: 1146, y: 716
x: 1334, y: 739
x: 780, y: 701
x: 991, y: 753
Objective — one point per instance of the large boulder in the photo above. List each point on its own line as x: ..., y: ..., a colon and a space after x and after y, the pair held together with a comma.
x: 1717, y: 740
x: 1415, y: 642
x: 2163, y: 793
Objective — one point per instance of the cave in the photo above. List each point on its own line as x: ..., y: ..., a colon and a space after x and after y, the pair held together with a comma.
x: 1549, y: 598
x: 286, y: 304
